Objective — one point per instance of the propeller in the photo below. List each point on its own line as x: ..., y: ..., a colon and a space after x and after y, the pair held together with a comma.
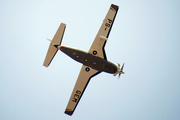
x: 121, y: 70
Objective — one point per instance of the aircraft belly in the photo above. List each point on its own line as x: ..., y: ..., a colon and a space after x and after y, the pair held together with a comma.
x: 87, y: 59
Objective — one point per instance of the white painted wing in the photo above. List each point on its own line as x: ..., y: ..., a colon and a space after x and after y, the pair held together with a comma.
x: 84, y: 77
x: 97, y: 48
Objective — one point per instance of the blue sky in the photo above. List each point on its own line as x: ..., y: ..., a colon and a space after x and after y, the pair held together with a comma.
x: 145, y: 36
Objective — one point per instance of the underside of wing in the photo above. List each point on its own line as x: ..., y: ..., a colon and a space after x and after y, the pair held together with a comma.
x: 84, y: 77
x: 97, y: 48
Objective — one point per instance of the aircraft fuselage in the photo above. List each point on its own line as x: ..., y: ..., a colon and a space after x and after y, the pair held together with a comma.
x: 87, y: 59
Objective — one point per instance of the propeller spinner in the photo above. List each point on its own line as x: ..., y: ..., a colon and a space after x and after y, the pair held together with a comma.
x: 120, y: 70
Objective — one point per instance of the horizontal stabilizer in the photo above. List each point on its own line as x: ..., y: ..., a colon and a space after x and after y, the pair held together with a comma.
x: 56, y: 41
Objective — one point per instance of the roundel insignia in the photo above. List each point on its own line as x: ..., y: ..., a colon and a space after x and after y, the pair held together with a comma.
x: 87, y: 69
x: 94, y: 52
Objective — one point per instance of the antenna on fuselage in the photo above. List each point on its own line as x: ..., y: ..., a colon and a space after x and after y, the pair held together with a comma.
x: 49, y: 39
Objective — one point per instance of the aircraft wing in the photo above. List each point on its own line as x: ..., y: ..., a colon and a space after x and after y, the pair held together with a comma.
x: 97, y: 48
x: 84, y: 77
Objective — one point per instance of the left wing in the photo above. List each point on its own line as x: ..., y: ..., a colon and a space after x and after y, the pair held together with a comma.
x: 97, y: 48
x: 84, y: 77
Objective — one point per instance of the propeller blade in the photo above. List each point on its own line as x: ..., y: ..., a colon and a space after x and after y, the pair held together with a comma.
x: 121, y: 71
x: 119, y: 75
x: 122, y: 67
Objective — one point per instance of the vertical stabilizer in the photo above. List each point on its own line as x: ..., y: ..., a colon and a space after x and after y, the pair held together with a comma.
x: 56, y: 41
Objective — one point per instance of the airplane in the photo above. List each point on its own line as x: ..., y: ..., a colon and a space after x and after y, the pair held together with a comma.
x: 94, y: 61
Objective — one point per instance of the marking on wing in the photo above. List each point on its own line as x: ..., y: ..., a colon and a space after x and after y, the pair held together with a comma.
x: 108, y: 24
x: 112, y: 8
x: 84, y: 89
x: 87, y: 69
x: 76, y: 96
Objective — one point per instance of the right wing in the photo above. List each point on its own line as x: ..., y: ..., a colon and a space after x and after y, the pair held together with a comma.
x: 84, y: 77
x: 97, y: 48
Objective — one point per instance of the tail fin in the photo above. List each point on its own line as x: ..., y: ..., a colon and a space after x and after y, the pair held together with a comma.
x: 56, y: 41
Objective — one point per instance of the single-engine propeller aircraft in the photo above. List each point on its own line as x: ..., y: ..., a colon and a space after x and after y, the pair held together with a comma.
x: 94, y: 61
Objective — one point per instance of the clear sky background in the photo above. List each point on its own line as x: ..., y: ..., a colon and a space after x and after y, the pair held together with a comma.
x: 145, y: 35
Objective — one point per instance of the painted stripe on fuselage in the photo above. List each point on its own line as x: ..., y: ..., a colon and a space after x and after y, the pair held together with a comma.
x: 87, y: 59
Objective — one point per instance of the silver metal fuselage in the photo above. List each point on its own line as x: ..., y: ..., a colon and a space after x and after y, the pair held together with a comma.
x: 90, y: 60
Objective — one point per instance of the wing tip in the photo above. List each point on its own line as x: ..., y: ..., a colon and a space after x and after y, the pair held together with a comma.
x: 68, y: 112
x: 115, y: 7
